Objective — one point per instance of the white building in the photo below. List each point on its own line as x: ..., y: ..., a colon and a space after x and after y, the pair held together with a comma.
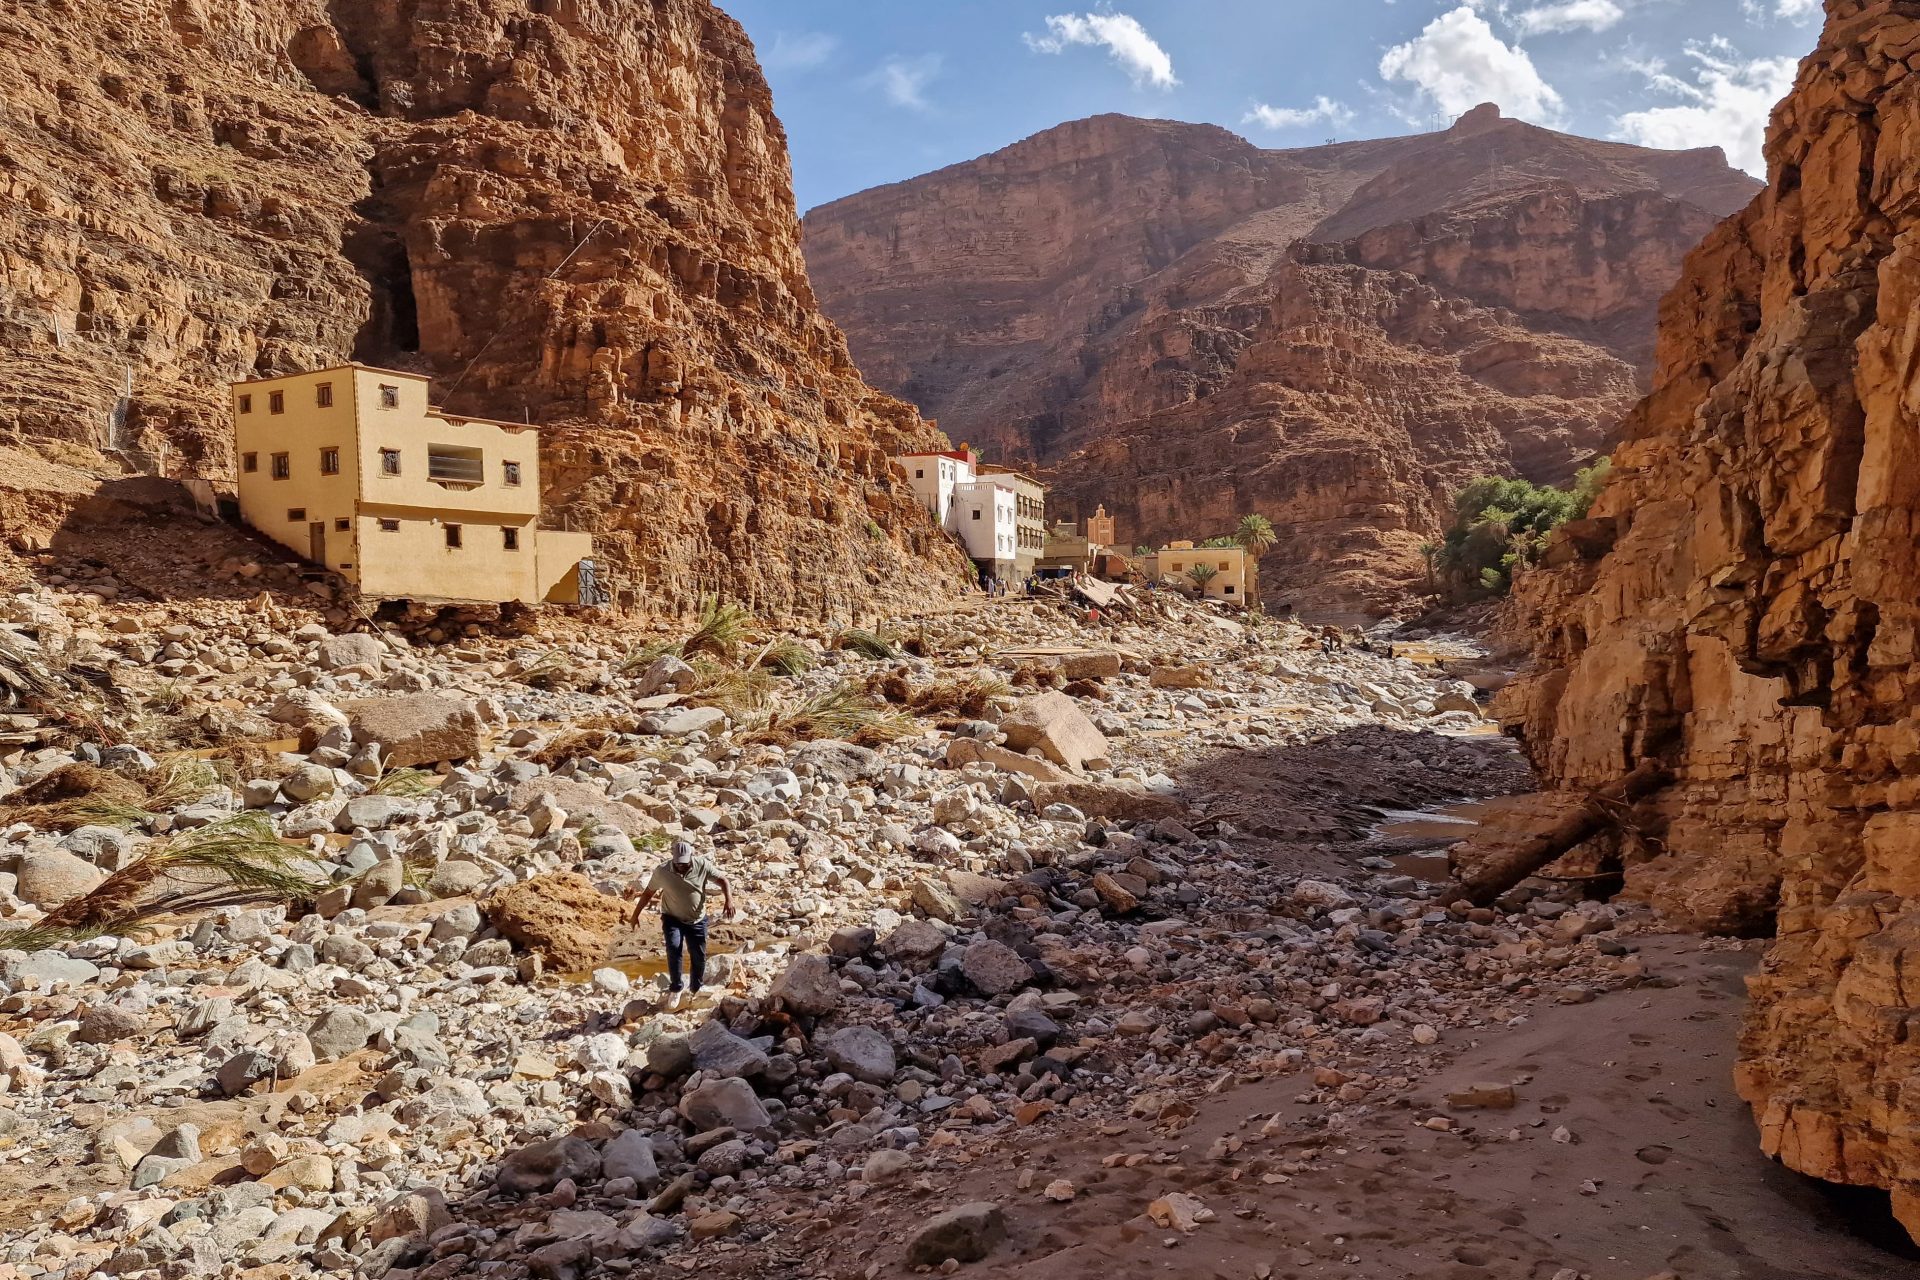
x: 982, y: 511
x: 935, y: 476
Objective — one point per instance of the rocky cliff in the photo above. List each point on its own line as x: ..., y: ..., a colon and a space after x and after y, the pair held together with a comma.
x: 574, y: 211
x: 1754, y: 623
x: 1186, y: 327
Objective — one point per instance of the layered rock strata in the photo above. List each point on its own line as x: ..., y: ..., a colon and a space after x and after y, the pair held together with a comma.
x: 1186, y: 327
x: 578, y: 213
x: 1745, y: 608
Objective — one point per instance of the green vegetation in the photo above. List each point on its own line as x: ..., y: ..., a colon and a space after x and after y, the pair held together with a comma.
x: 1200, y: 575
x: 1255, y: 534
x: 867, y: 644
x: 1499, y: 524
x: 723, y: 627
x: 1218, y: 544
x: 240, y: 853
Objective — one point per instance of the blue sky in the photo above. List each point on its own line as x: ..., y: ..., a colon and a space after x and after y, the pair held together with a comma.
x: 873, y: 91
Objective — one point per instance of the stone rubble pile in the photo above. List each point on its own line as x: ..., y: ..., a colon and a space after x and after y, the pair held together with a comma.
x: 455, y: 1058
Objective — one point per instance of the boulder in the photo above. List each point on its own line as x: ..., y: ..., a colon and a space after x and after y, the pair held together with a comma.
x: 1181, y: 678
x: 1099, y: 665
x: 966, y: 1234
x: 809, y: 986
x: 307, y: 783
x: 719, y: 1052
x: 561, y: 917
x: 682, y: 722
x: 668, y: 674
x: 419, y: 729
x: 863, y: 1053
x: 914, y: 941
x: 373, y: 813
x: 937, y: 901
x: 48, y: 877
x: 336, y: 653
x: 1053, y: 724
x: 723, y: 1104
x: 995, y: 968
x: 338, y: 1032
x: 838, y: 761
x: 965, y: 751
x: 630, y: 1154
x: 582, y: 802
x: 544, y: 1165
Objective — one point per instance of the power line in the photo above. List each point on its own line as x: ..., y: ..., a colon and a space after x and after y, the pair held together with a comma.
x: 502, y: 328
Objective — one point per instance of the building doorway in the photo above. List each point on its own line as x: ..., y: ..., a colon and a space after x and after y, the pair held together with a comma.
x: 317, y: 537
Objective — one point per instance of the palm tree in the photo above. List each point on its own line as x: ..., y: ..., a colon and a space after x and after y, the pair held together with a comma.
x: 1255, y: 534
x: 1200, y: 575
x: 1430, y: 555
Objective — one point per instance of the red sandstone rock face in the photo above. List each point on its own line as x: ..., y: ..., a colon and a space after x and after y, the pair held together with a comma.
x: 1187, y: 327
x: 1754, y: 624
x: 196, y: 193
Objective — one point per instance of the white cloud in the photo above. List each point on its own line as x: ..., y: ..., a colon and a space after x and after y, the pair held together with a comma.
x: 1458, y: 63
x: 1725, y: 104
x: 800, y: 51
x: 1122, y: 36
x: 904, y: 80
x: 1569, y: 15
x: 1789, y: 10
x: 1324, y: 110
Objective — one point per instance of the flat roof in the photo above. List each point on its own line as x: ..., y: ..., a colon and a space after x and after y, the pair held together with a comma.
x: 352, y: 365
x: 995, y: 469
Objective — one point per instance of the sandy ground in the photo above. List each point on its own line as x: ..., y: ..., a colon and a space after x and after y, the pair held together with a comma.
x: 1661, y: 1172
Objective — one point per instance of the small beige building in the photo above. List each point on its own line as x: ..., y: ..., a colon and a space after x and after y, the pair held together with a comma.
x: 1171, y: 563
x: 352, y: 468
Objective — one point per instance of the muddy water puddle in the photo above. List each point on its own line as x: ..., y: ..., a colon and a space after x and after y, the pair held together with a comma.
x: 1424, y: 835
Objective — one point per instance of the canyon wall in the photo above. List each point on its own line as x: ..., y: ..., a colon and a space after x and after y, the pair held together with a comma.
x: 1169, y: 320
x: 575, y: 212
x: 1745, y: 608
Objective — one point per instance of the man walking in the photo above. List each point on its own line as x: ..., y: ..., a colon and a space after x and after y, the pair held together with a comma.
x: 682, y: 884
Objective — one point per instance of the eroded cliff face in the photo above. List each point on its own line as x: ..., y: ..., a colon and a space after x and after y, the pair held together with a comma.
x: 1754, y: 625
x: 573, y: 211
x: 1185, y: 327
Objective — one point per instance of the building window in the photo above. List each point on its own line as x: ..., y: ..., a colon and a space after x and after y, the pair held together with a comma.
x: 249, y: 462
x: 1226, y: 591
x: 296, y: 515
x: 389, y: 462
x: 389, y: 397
x: 976, y: 513
x: 919, y: 473
x: 453, y: 536
x: 329, y: 462
x: 341, y: 524
x: 276, y: 402
x: 1224, y: 566
x: 323, y: 395
x: 510, y: 539
x: 282, y: 466
x: 389, y: 526
x: 510, y: 473
x: 455, y: 464
x: 246, y: 404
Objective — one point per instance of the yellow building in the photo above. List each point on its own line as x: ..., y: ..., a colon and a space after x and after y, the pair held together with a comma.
x: 352, y: 468
x: 1172, y: 562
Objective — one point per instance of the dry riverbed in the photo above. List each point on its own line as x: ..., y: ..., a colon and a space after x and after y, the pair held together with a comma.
x: 1091, y: 961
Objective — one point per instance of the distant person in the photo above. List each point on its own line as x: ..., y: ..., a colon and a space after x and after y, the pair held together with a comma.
x: 683, y: 883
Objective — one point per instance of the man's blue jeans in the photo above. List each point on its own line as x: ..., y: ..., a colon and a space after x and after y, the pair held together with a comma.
x: 694, y: 935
